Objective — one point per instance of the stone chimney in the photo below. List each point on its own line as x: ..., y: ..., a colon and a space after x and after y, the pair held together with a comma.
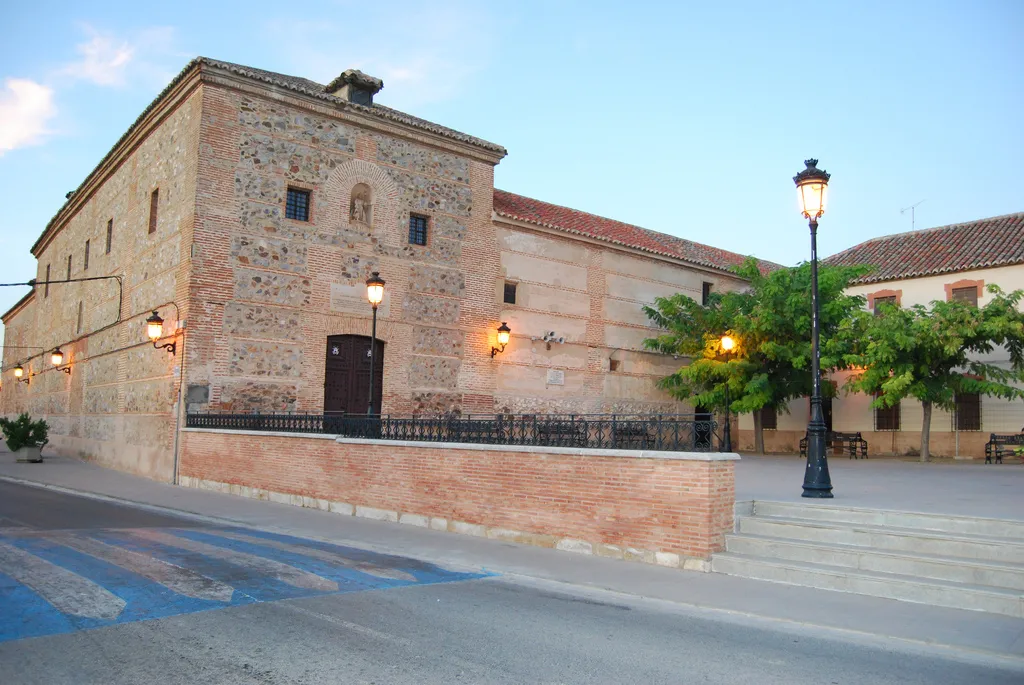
x: 355, y: 86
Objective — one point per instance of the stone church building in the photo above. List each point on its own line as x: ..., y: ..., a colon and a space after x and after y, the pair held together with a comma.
x: 248, y: 209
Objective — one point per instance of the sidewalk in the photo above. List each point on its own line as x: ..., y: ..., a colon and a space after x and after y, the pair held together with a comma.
x: 974, y: 635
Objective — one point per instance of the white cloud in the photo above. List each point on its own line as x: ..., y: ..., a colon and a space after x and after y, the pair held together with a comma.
x: 25, y: 109
x: 103, y: 60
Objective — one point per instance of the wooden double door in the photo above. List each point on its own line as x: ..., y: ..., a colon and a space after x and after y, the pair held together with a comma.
x: 347, y: 376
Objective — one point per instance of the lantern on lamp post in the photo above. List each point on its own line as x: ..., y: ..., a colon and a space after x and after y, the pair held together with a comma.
x: 728, y: 344
x: 812, y: 187
x: 375, y: 295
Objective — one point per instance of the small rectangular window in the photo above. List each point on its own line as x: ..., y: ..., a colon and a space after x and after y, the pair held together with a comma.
x: 614, y: 365
x: 85, y: 261
x: 891, y: 299
x: 297, y: 206
x: 79, y: 327
x: 417, y: 229
x: 968, y: 412
x: 966, y: 295
x: 769, y: 418
x: 69, y: 267
x: 510, y: 293
x: 887, y: 418
x: 154, y: 205
x: 110, y: 234
x: 705, y: 293
x: 46, y: 288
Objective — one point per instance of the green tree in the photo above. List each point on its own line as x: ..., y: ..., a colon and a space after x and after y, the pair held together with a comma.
x: 771, y: 322
x: 931, y: 353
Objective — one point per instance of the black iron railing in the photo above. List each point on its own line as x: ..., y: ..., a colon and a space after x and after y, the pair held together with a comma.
x: 671, y: 432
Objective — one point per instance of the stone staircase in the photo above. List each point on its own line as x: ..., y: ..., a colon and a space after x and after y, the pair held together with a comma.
x: 950, y: 561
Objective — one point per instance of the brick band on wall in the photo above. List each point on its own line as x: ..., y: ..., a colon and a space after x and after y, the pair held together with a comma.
x: 661, y: 510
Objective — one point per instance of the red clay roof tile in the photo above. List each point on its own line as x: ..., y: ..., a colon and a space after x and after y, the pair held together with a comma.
x: 532, y: 211
x: 985, y: 243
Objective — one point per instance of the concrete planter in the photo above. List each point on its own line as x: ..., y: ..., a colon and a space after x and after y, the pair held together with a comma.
x: 29, y: 454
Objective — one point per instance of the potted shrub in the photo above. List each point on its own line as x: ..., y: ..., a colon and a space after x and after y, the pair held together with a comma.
x: 25, y: 437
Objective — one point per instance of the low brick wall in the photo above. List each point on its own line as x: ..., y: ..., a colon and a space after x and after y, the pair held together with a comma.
x: 666, y: 508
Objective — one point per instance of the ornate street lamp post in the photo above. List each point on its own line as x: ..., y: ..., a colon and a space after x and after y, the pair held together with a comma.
x: 375, y: 294
x: 727, y: 344
x: 811, y: 187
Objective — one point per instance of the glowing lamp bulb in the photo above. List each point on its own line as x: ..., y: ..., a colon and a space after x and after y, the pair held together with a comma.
x: 154, y: 327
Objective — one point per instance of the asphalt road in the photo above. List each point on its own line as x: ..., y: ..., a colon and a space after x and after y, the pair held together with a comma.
x: 92, y: 592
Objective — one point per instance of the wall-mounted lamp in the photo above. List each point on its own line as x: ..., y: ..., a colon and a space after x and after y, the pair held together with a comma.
x: 155, y: 331
x: 56, y: 357
x: 503, y: 335
x: 19, y: 371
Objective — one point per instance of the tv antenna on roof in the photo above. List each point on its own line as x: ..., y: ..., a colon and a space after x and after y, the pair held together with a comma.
x: 911, y: 208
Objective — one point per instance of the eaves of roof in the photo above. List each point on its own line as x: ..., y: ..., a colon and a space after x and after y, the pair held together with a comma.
x: 294, y: 83
x: 601, y: 228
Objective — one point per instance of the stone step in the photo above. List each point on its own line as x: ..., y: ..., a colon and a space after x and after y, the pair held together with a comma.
x: 901, y: 540
x: 968, y: 571
x: 956, y: 525
x: 888, y: 585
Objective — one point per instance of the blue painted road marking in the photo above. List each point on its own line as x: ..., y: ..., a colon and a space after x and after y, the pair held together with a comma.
x: 60, y: 582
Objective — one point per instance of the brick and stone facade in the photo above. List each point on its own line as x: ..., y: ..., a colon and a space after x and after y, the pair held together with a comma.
x: 250, y: 297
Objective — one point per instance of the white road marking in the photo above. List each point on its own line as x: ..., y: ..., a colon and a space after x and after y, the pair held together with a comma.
x: 67, y: 591
x: 269, y: 567
x: 175, y: 578
x: 323, y: 555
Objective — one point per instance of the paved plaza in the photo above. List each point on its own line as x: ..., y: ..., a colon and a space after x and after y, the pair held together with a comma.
x: 966, y: 488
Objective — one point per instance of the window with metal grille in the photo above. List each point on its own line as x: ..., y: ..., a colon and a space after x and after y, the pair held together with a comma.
x: 879, y: 301
x: 297, y: 206
x: 769, y: 418
x: 46, y: 288
x: 510, y: 293
x: 110, y: 234
x: 154, y: 204
x: 69, y: 267
x: 85, y: 261
x: 887, y: 418
x: 967, y: 295
x: 705, y: 293
x: 417, y: 229
x: 968, y: 412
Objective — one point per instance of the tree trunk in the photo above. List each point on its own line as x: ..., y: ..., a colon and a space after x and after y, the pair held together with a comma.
x: 758, y: 434
x: 926, y: 428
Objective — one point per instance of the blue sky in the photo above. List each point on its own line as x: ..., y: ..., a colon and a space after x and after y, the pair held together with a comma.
x: 680, y: 117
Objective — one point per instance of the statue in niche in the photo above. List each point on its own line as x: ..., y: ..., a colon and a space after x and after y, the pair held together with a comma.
x: 361, y: 211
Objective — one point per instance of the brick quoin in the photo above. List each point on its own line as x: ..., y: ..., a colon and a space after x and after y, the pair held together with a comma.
x: 666, y: 505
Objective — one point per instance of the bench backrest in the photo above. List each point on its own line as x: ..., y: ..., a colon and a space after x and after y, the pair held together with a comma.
x: 1007, y: 439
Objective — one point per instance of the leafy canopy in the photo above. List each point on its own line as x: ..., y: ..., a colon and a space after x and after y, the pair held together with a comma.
x: 771, y: 322
x: 934, y: 353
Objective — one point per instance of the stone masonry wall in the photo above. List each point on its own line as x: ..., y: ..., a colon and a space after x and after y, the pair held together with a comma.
x: 653, y: 507
x: 117, y: 406
x: 273, y: 289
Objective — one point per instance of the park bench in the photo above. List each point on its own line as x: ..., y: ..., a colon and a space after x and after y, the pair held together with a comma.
x: 632, y: 436
x: 562, y: 434
x: 852, y: 443
x: 1000, y: 445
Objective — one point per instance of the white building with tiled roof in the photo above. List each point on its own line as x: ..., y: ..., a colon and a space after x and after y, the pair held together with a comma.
x: 915, y: 268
